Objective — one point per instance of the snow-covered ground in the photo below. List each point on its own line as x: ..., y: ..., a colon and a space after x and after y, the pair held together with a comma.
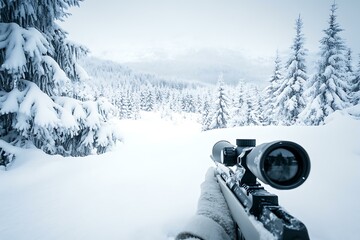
x: 148, y: 186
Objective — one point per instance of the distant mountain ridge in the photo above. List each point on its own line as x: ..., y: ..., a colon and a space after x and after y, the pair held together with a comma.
x: 201, y: 66
x: 205, y: 65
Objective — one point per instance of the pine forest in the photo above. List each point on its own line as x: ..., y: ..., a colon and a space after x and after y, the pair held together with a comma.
x: 53, y: 96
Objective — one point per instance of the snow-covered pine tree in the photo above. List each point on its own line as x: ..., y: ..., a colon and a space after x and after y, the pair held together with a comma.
x: 290, y: 101
x: 350, y: 74
x: 269, y: 92
x: 188, y: 102
x: 355, y: 98
x: 329, y: 86
x: 143, y: 95
x: 150, y: 101
x: 173, y: 101
x: 147, y: 98
x: 348, y: 65
x: 263, y: 119
x: 134, y: 101
x: 253, y: 111
x: 206, y: 112
x: 239, y: 114
x: 124, y: 105
x: 37, y: 71
x: 220, y: 116
x: 36, y: 46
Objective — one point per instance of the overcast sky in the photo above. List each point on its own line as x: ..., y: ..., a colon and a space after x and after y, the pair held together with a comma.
x: 125, y: 30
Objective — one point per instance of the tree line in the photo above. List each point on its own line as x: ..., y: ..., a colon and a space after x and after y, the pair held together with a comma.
x: 51, y: 98
x: 293, y: 96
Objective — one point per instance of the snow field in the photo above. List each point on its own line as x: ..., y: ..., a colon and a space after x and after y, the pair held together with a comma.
x: 148, y: 186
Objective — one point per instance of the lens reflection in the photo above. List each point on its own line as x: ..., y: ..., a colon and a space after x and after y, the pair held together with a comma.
x: 281, y: 165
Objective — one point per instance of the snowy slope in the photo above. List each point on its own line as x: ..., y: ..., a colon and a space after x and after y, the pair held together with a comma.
x: 148, y: 186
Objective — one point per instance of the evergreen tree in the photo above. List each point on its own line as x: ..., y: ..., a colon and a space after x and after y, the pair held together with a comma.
x: 253, y: 107
x: 206, y: 114
x: 147, y: 98
x: 290, y: 101
x: 134, y: 105
x: 263, y: 119
x: 190, y: 103
x: 143, y: 97
x: 220, y: 116
x: 348, y: 64
x: 199, y: 103
x: 150, y: 101
x: 238, y: 115
x: 124, y: 106
x: 350, y: 74
x: 27, y: 22
x: 355, y: 97
x: 329, y: 86
x: 270, y: 93
x: 37, y: 78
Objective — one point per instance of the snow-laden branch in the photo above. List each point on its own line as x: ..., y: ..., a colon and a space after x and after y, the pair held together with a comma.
x: 20, y: 44
x: 59, y: 125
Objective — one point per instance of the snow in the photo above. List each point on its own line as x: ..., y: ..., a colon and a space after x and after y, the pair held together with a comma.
x: 59, y: 78
x: 354, y: 111
x: 17, y: 41
x: 9, y: 101
x: 38, y: 105
x: 148, y: 186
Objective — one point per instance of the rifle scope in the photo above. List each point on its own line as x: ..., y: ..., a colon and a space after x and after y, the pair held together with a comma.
x: 280, y: 164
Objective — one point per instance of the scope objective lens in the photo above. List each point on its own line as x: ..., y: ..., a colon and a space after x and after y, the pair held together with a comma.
x: 281, y: 165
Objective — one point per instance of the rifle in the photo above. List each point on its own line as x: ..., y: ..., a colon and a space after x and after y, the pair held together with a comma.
x: 280, y: 164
